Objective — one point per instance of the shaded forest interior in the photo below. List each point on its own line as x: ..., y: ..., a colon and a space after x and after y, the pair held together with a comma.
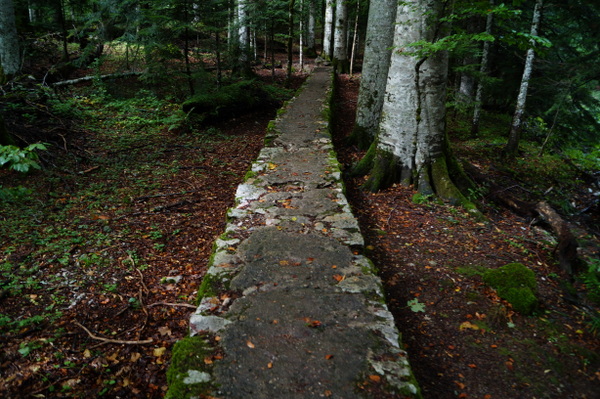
x: 125, y: 129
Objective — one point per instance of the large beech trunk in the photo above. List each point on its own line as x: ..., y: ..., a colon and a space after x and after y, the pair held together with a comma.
x: 376, y: 63
x: 411, y: 146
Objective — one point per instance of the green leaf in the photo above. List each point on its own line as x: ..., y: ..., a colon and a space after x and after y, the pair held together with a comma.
x: 416, y: 306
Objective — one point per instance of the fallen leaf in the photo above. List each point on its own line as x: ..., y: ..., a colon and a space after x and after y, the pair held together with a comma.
x: 164, y: 331
x: 459, y: 384
x: 338, y: 277
x: 270, y: 365
x: 473, y: 366
x: 509, y: 365
x: 284, y: 263
x: 467, y: 325
x: 375, y: 378
x: 328, y: 357
x: 328, y: 393
x: 208, y: 360
x: 135, y: 356
x: 157, y: 352
x: 87, y: 353
x: 250, y: 344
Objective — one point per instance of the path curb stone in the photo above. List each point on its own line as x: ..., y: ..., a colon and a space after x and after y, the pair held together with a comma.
x: 289, y: 308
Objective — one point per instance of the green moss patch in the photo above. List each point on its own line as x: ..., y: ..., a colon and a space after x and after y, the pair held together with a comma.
x: 515, y: 283
x: 189, y: 375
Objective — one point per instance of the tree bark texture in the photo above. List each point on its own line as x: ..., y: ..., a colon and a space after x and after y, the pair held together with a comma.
x: 9, y: 40
x: 485, y: 54
x: 340, y: 38
x: 512, y: 146
x: 310, y: 29
x: 328, y: 29
x: 376, y: 63
x: 411, y: 145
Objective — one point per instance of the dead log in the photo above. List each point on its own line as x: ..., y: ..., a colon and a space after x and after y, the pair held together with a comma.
x: 102, y: 77
x: 567, y: 243
x: 566, y: 248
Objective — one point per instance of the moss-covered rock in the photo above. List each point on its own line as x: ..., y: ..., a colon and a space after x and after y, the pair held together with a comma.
x: 515, y: 283
x: 237, y: 98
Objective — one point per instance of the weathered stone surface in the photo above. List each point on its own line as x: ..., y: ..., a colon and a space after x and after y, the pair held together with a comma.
x: 294, y: 310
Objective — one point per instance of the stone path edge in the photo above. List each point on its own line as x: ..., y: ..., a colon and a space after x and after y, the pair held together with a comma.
x: 190, y: 374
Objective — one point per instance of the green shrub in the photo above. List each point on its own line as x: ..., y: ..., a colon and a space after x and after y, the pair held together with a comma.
x: 20, y: 159
x: 515, y: 283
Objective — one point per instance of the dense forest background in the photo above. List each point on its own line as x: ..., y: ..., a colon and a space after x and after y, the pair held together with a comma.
x: 126, y: 125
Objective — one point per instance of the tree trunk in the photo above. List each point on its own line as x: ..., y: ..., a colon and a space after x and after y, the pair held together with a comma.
x: 290, y: 40
x: 243, y: 38
x: 411, y: 145
x: 340, y: 39
x: 512, y: 146
x: 354, y: 38
x: 328, y: 30
x: 485, y: 54
x: 9, y: 40
x: 376, y: 63
x: 310, y: 30
x: 301, y: 37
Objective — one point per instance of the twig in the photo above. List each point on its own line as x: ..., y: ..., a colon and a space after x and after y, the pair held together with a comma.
x: 185, y: 305
x: 114, y: 341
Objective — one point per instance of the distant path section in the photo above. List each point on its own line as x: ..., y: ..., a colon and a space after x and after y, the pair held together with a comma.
x: 289, y: 307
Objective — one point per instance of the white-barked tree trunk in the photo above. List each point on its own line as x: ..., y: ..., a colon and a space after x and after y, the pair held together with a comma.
x: 340, y: 39
x: 411, y: 145
x: 376, y: 63
x: 328, y: 29
x: 512, y: 146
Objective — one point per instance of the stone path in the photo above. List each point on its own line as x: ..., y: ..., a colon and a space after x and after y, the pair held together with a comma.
x: 289, y: 307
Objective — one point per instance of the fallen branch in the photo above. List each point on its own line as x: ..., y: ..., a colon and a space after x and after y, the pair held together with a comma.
x: 114, y: 341
x: 88, y: 78
x: 185, y: 305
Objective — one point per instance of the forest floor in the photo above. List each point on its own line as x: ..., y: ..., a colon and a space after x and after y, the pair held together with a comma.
x: 464, y: 341
x: 101, y: 254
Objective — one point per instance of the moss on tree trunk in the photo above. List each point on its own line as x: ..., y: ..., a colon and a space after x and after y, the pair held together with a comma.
x: 360, y: 137
x: 442, y: 176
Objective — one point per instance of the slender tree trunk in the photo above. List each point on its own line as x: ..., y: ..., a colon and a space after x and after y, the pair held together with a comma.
x: 218, y: 54
x: 354, y: 38
x: 290, y: 40
x: 9, y: 40
x: 301, y: 37
x: 63, y: 25
x: 512, y: 146
x: 376, y: 63
x: 328, y: 33
x: 340, y: 39
x: 485, y: 54
x: 243, y: 37
x: 310, y: 31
